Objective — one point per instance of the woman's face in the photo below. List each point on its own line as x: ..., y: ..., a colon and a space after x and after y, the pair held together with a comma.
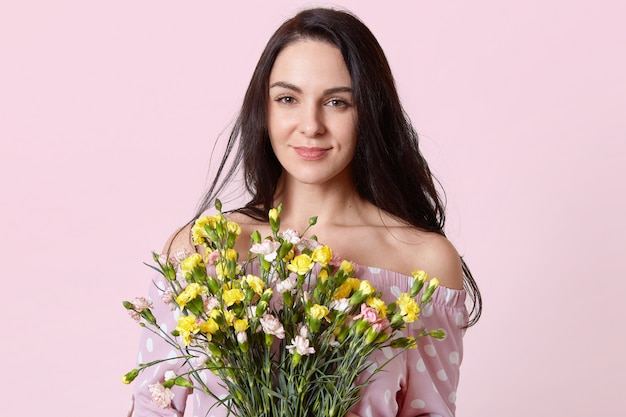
x: 312, y: 119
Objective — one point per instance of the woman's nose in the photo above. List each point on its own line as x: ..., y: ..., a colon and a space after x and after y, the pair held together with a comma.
x: 311, y: 121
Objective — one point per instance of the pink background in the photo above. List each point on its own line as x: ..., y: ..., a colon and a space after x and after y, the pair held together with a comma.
x: 108, y: 112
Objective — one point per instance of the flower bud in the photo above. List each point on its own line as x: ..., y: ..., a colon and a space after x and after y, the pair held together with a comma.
x: 148, y: 316
x: 430, y: 289
x: 419, y: 280
x: 183, y: 382
x: 314, y: 324
x: 370, y: 335
x: 437, y: 334
x: 130, y: 376
x: 403, y: 342
x: 284, y: 249
x: 357, y: 298
x: 360, y: 326
x: 211, y: 283
x: 296, y: 357
x: 261, y: 308
x: 215, y: 350
x: 342, y: 333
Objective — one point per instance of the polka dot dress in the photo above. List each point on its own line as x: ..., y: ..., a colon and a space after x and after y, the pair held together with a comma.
x: 419, y: 382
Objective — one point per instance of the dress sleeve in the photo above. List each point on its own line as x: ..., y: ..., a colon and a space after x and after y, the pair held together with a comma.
x: 432, y: 370
x: 153, y: 347
x: 422, y: 381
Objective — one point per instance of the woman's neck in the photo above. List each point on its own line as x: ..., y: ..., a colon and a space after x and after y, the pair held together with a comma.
x: 336, y: 203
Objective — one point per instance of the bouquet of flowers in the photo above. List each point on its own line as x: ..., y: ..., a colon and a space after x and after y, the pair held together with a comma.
x: 288, y: 330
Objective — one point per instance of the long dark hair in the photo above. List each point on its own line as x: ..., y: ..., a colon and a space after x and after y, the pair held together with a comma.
x: 388, y: 168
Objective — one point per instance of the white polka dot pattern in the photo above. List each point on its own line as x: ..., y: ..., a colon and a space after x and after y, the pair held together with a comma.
x: 427, y: 310
x: 387, y: 396
x: 452, y: 397
x: 430, y: 350
x: 395, y: 291
x: 459, y: 319
x: 442, y: 375
x: 417, y: 403
x: 420, y: 366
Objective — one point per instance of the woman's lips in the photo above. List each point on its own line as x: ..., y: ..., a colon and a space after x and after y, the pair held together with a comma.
x: 310, y: 154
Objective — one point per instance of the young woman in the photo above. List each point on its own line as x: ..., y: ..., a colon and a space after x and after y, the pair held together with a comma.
x: 322, y: 131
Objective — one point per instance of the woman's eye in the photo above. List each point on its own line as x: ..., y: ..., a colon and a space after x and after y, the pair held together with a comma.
x: 336, y: 102
x: 286, y: 100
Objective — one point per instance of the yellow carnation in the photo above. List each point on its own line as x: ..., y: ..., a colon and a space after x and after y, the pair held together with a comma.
x: 232, y: 296
x: 229, y: 316
x: 377, y: 304
x: 256, y: 283
x: 420, y: 275
x: 189, y: 293
x: 240, y: 325
x: 210, y: 326
x: 220, y: 270
x: 198, y: 231
x: 189, y: 263
x: 318, y: 311
x: 273, y: 214
x: 347, y: 267
x: 354, y: 283
x: 322, y: 255
x: 366, y: 287
x: 408, y: 307
x: 187, y: 327
x: 231, y: 254
x: 322, y: 275
x: 233, y: 228
x: 344, y: 290
x: 301, y: 264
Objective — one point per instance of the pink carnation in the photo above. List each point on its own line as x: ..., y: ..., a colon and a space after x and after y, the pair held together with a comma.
x: 381, y: 325
x: 140, y: 304
x: 210, y: 303
x: 310, y: 244
x: 179, y: 256
x: 271, y: 325
x: 342, y: 304
x: 267, y: 249
x: 168, y: 298
x: 135, y: 316
x: 213, y: 257
x: 290, y: 236
x: 286, y: 285
x: 161, y: 396
x: 370, y: 315
x: 301, y: 345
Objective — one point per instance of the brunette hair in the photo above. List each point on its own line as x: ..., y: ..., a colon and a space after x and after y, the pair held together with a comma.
x: 388, y: 168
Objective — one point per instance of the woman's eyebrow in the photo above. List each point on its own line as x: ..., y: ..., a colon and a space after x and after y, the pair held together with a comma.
x: 297, y: 89
x: 286, y: 85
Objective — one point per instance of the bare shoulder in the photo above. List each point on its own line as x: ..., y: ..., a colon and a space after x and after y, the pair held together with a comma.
x: 434, y: 254
x: 180, y: 241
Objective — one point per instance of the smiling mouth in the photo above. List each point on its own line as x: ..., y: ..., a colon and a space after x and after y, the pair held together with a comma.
x: 310, y: 154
